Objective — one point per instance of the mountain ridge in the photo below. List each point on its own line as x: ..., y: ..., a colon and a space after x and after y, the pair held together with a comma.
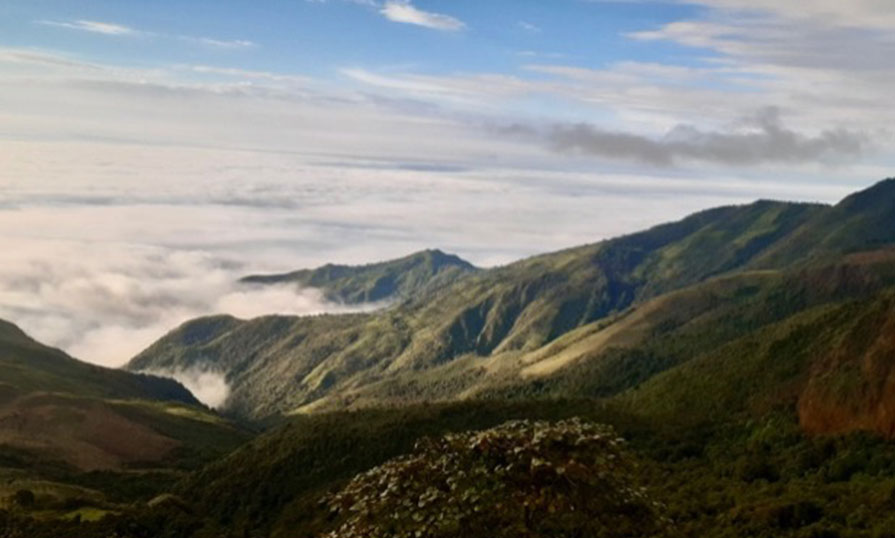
x: 375, y: 282
x: 517, y: 307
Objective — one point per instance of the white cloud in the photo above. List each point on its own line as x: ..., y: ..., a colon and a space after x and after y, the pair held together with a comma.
x: 249, y: 74
x: 222, y: 43
x: 207, y: 385
x: 95, y: 27
x: 529, y: 27
x: 404, y: 12
x: 538, y: 54
x: 113, y: 29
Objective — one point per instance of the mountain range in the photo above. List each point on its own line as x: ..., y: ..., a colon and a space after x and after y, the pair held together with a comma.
x: 599, y: 320
x: 747, y: 353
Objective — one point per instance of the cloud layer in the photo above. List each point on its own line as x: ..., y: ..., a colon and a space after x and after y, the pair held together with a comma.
x: 105, y: 303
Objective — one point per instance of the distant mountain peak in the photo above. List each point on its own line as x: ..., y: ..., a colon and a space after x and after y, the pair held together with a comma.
x: 387, y: 280
x: 441, y: 258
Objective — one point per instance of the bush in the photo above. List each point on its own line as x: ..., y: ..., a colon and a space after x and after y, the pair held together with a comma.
x: 522, y: 479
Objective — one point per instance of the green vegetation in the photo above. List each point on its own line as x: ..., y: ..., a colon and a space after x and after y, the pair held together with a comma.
x: 759, y: 477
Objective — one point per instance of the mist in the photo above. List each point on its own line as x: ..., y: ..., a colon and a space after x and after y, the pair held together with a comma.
x: 208, y: 386
x: 106, y: 303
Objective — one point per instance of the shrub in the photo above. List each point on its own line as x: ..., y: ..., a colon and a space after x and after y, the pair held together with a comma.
x: 521, y: 479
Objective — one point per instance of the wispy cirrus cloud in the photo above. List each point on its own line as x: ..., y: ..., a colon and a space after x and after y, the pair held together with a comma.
x: 221, y: 43
x: 249, y: 74
x: 121, y: 30
x: 403, y: 11
x: 95, y: 27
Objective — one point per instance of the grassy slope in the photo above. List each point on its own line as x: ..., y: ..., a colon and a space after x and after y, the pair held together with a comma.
x: 732, y: 438
x: 390, y: 280
x: 715, y: 385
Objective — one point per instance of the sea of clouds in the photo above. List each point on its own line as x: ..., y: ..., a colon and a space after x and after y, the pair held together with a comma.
x: 108, y: 246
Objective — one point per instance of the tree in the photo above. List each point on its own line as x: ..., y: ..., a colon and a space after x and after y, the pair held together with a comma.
x: 522, y: 479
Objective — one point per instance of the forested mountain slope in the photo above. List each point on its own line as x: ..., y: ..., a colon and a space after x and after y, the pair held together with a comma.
x: 518, y: 329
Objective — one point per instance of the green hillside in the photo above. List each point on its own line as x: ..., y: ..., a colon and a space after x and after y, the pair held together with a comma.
x: 861, y: 222
x: 390, y: 280
x: 82, y: 438
x: 280, y: 364
x: 30, y: 366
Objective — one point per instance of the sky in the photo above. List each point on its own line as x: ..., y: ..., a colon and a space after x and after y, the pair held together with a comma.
x: 152, y: 152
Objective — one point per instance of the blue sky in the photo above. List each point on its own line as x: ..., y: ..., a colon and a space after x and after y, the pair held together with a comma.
x: 621, y: 67
x: 315, y: 37
x: 151, y: 152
